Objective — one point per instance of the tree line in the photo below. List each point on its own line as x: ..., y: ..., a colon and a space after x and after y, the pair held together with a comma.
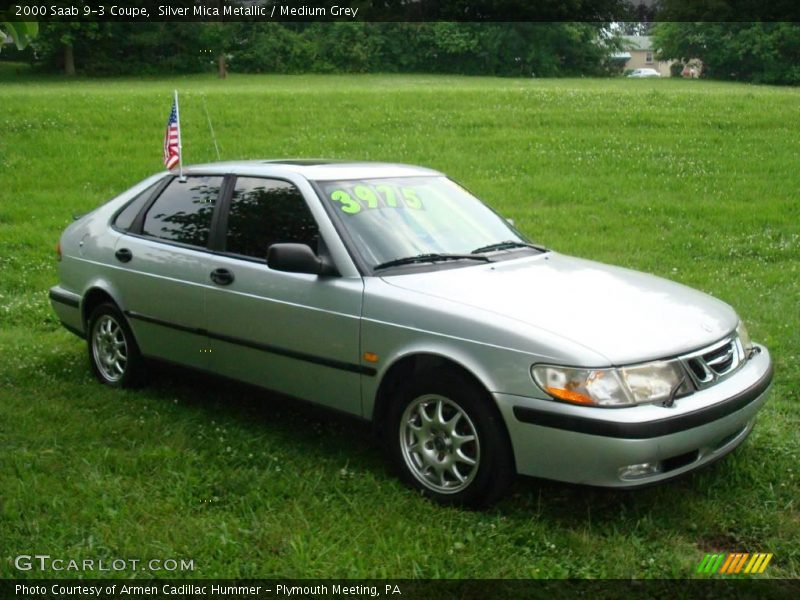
x: 760, y: 52
x: 509, y: 49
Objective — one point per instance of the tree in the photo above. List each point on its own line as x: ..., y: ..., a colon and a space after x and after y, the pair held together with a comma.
x: 757, y: 52
x: 22, y: 32
x: 509, y: 49
x: 722, y: 11
x: 636, y: 28
x: 218, y: 37
x: 221, y: 37
x: 60, y: 41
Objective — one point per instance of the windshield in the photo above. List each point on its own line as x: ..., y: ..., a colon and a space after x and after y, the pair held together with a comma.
x: 395, y: 218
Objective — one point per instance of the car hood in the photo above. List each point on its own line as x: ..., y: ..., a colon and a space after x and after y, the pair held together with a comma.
x: 624, y: 315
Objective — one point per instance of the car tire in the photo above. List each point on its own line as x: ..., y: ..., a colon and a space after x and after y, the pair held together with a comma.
x: 113, y: 352
x: 446, y: 438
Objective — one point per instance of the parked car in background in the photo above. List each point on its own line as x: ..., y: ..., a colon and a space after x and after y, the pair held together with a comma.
x: 391, y: 293
x: 639, y: 73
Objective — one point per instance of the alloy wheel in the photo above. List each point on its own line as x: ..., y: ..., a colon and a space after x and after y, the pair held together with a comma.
x: 439, y: 444
x: 109, y: 348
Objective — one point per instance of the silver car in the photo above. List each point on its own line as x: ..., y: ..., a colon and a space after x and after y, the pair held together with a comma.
x: 390, y: 292
x: 644, y: 73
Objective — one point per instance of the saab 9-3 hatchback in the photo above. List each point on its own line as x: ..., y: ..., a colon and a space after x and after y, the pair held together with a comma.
x: 390, y: 292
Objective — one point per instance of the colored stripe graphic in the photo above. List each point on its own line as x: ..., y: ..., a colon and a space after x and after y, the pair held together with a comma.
x: 765, y: 563
x: 727, y: 564
x: 714, y: 566
x: 749, y: 567
x: 704, y: 563
x: 734, y: 562
x: 740, y: 564
x: 710, y: 563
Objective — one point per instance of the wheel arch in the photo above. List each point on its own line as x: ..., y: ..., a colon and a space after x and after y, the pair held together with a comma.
x: 93, y: 297
x: 416, y: 364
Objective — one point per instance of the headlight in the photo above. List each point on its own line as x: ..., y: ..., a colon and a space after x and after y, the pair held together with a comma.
x: 600, y: 387
x: 658, y: 381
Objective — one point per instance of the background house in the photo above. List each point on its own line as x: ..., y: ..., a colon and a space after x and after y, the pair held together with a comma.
x: 639, y: 53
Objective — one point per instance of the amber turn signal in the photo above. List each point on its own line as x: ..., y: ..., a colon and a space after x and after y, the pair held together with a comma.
x: 569, y: 396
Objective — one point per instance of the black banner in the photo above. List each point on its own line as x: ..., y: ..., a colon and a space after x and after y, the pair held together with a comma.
x: 196, y: 589
x: 400, y: 10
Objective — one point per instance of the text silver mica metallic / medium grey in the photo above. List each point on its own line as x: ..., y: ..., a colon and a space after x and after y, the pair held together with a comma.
x: 391, y: 293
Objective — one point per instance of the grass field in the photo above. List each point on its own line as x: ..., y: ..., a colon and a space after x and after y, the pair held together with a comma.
x: 694, y: 181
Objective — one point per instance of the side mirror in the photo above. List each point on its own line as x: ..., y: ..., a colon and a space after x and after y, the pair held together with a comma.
x: 297, y: 258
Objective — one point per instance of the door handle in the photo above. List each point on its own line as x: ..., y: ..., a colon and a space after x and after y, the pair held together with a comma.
x: 123, y: 255
x: 222, y: 276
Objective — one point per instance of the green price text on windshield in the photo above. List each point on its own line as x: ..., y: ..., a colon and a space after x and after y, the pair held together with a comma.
x: 364, y: 197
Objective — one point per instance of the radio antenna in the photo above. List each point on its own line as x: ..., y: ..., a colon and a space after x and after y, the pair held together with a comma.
x: 211, y: 127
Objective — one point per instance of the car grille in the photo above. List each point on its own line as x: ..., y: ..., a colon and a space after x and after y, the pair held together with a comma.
x: 714, y: 363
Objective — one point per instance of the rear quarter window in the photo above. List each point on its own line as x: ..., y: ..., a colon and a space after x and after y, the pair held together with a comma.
x: 127, y: 215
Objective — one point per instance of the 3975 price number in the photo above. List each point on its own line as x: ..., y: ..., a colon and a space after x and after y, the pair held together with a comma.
x: 363, y: 197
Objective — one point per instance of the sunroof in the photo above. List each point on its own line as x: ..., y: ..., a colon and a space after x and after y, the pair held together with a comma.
x: 303, y: 162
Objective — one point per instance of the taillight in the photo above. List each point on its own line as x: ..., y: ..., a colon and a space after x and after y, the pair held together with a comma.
x: 58, y: 250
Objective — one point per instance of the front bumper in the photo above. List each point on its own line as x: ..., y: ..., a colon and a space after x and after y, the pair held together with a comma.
x: 594, y: 446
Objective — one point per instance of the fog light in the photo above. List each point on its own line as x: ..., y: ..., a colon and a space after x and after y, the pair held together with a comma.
x: 640, y: 470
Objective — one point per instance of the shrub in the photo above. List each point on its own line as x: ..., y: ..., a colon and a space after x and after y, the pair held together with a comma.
x: 676, y: 69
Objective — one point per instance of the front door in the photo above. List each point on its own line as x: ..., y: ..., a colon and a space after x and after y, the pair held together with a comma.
x: 295, y: 333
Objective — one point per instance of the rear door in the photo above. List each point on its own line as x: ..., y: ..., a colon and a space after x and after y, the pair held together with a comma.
x: 163, y: 264
x: 291, y: 332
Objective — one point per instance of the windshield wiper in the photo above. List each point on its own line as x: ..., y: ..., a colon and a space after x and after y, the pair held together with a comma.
x: 431, y: 257
x: 507, y: 245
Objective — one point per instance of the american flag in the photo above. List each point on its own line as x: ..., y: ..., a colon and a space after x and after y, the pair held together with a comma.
x: 172, y: 151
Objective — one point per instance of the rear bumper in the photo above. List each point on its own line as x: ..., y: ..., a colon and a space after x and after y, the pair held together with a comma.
x: 67, y: 306
x: 595, y: 446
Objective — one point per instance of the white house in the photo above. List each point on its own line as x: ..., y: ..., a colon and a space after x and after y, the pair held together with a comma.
x: 639, y: 53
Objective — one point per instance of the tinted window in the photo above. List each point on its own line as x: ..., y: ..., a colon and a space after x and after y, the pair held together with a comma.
x: 182, y: 213
x: 265, y: 212
x: 125, y: 218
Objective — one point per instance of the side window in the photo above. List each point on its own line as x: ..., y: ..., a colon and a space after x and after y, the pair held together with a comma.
x: 265, y: 212
x: 126, y: 216
x: 182, y: 213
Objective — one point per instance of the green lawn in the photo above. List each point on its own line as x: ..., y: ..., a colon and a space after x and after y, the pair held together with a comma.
x: 694, y: 181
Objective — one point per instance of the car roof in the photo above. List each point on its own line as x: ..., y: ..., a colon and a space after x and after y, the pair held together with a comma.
x: 315, y: 169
